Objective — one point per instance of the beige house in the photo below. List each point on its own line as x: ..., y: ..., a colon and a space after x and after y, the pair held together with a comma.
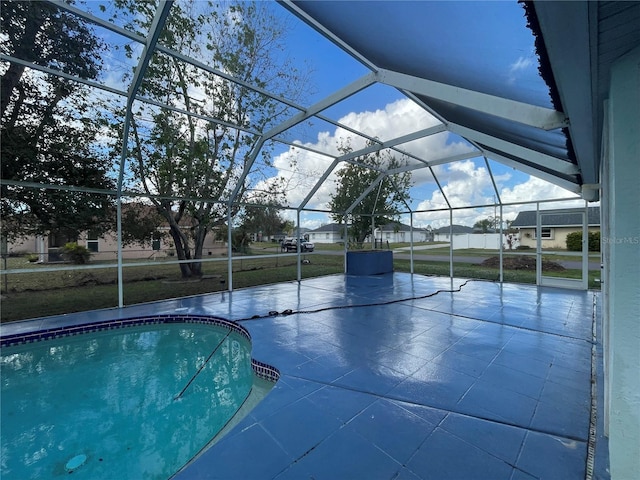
x: 555, y: 226
x: 104, y: 247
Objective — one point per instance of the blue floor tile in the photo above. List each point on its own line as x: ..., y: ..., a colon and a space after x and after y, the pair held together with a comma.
x: 446, y: 457
x: 502, y: 377
x: 227, y: 460
x: 492, y: 382
x: 383, y: 417
x: 549, y: 457
x: 497, y: 439
x: 469, y: 365
x: 486, y: 401
x: 523, y: 363
x: 300, y: 427
x: 376, y: 379
x: 343, y: 403
x: 434, y: 385
x: 343, y: 455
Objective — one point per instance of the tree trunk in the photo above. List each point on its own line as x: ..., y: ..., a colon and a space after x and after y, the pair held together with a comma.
x: 10, y: 81
x: 35, y: 18
x: 183, y: 251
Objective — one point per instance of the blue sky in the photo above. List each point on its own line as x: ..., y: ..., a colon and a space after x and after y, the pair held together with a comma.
x: 489, y: 46
x: 512, y: 62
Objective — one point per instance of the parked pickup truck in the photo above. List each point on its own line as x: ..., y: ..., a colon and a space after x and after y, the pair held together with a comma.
x: 291, y: 245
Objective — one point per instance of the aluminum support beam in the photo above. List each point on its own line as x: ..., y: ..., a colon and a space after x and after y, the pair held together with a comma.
x: 532, y: 156
x: 162, y: 13
x: 368, y: 190
x: 561, y: 182
x: 539, y: 117
x: 338, y: 96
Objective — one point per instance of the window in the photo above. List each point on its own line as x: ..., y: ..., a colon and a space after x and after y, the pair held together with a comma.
x: 92, y: 241
x: 155, y: 241
x: 546, y: 233
x: 59, y: 239
x: 326, y: 235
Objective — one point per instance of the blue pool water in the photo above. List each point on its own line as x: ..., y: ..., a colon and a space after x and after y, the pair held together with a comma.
x: 136, y: 402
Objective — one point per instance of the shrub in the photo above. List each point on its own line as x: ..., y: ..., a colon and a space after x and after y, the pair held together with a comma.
x: 75, y: 253
x: 594, y: 241
x: 574, y: 241
x: 32, y: 258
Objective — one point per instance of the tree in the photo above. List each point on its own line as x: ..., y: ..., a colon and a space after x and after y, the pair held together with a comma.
x: 381, y: 205
x: 263, y: 218
x: 47, y: 137
x: 487, y: 224
x: 141, y: 223
x: 288, y: 227
x: 186, y: 165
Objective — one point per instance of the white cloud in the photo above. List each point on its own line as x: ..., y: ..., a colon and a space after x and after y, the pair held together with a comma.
x: 464, y: 182
x: 302, y: 168
x: 537, y: 189
x: 521, y: 65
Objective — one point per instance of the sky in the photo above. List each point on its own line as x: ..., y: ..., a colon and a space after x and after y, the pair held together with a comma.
x: 386, y: 113
x: 497, y: 52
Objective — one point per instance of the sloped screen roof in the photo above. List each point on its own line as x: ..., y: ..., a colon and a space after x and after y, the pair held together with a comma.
x: 454, y: 87
x: 481, y: 47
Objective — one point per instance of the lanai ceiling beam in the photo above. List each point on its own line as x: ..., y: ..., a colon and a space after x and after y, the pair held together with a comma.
x: 366, y: 192
x: 345, y: 92
x: 561, y: 182
x: 539, y: 117
x: 543, y: 160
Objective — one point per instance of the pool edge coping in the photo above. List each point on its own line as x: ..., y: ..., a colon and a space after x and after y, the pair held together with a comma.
x: 261, y: 369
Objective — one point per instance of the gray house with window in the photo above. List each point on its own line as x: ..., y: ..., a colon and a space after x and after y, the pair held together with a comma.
x: 555, y: 226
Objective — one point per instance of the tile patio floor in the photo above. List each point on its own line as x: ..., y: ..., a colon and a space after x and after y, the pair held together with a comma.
x: 489, y: 382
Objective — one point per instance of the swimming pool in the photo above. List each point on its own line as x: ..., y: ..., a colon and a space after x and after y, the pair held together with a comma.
x: 136, y: 398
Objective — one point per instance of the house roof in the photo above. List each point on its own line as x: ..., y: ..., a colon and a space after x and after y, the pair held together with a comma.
x: 389, y: 227
x: 557, y: 218
x: 331, y: 227
x: 456, y: 229
x: 398, y: 227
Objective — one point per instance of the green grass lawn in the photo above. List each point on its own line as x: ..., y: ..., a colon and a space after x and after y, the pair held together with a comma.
x: 29, y: 295
x: 43, y: 293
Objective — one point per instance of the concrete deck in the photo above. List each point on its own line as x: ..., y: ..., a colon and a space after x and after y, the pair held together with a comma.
x: 383, y: 378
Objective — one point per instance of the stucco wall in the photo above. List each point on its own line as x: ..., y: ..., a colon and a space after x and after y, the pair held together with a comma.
x: 558, y: 234
x: 621, y: 274
x: 107, y: 248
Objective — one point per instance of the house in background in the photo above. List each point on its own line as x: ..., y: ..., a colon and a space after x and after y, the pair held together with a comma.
x: 443, y: 234
x: 555, y: 226
x: 396, y: 232
x: 104, y: 246
x: 331, y: 233
x: 393, y: 232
